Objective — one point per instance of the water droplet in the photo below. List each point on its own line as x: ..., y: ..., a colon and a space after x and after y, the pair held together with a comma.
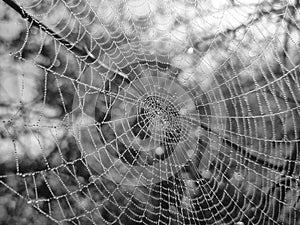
x: 190, y: 50
x: 92, y: 178
x: 239, y: 223
x: 159, y: 151
x: 238, y: 176
x: 183, y: 111
x: 190, y: 153
x: 136, y: 141
x: 197, y: 131
x: 206, y: 174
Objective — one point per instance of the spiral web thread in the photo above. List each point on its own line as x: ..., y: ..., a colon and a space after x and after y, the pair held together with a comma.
x: 153, y: 112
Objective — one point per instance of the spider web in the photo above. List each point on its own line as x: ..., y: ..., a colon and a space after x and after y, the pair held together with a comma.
x: 150, y: 112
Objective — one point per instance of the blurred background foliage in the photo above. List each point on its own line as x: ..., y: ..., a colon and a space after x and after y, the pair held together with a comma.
x: 250, y: 42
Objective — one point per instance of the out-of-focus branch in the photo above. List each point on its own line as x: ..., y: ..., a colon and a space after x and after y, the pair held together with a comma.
x: 242, y: 150
x: 257, y: 16
x: 284, y: 98
x: 89, y: 58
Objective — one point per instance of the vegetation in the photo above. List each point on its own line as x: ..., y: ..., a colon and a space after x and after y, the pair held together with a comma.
x: 242, y: 56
